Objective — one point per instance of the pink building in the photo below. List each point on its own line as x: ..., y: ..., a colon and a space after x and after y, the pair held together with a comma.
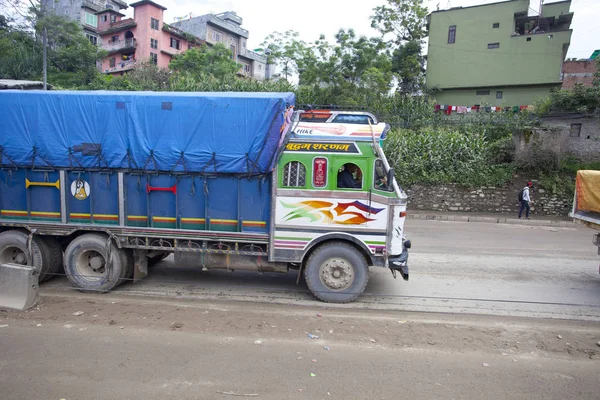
x: 143, y: 37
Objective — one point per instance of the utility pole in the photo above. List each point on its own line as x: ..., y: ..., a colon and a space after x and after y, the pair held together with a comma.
x: 45, y: 61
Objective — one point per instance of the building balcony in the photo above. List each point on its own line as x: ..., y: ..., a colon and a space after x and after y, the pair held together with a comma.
x: 120, y: 45
x: 96, y: 6
x: 121, y: 66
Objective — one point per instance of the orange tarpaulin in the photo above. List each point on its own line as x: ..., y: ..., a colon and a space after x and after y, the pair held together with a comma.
x: 588, y: 191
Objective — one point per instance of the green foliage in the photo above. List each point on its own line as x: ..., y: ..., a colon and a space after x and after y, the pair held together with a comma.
x: 204, y: 61
x: 284, y: 50
x: 580, y: 99
x: 71, y: 57
x: 404, y: 19
x: 438, y: 156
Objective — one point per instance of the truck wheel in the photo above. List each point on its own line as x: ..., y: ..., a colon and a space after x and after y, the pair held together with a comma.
x: 336, y: 273
x: 126, y: 256
x: 55, y: 265
x: 86, y: 264
x: 152, y: 261
x: 13, y: 249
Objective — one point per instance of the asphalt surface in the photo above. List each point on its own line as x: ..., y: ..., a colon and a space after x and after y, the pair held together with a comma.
x: 478, y: 268
x: 122, y: 347
x: 491, y: 311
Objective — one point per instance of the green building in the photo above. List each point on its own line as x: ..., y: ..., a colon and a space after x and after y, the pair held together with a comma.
x: 497, y: 54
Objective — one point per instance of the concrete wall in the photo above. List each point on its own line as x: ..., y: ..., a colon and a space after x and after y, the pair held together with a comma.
x: 454, y: 198
x: 556, y: 138
x: 586, y: 146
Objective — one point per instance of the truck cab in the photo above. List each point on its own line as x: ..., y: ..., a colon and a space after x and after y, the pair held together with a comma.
x: 333, y: 186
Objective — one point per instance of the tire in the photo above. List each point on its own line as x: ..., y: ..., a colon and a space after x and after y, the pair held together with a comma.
x: 13, y: 249
x: 126, y: 256
x: 86, y: 267
x: 55, y: 266
x: 346, y: 260
x: 152, y: 261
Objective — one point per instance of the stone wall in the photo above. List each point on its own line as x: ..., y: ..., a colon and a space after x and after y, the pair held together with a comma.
x: 454, y: 198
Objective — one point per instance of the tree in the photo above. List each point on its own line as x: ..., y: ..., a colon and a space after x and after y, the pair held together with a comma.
x: 403, y: 19
x: 71, y: 57
x: 286, y: 51
x: 206, y: 60
x: 405, y: 22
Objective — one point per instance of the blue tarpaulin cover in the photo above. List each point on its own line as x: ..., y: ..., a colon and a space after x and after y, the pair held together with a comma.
x: 162, y: 131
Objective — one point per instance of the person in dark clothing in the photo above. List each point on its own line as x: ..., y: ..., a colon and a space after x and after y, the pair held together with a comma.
x: 525, y: 200
x: 345, y: 179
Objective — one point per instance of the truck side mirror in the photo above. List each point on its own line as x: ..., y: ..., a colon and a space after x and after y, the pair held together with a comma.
x: 390, y: 178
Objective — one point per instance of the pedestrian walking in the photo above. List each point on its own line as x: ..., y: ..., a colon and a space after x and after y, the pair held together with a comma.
x: 525, y: 199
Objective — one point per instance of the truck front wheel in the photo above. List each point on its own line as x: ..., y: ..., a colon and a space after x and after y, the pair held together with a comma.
x: 87, y: 266
x: 336, y: 272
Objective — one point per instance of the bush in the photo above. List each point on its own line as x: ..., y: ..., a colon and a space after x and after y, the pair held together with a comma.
x: 442, y: 155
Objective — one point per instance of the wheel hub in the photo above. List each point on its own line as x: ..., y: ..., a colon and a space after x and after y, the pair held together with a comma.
x: 13, y: 255
x: 337, y: 274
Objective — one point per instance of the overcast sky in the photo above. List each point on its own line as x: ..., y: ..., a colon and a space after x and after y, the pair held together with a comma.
x: 310, y: 18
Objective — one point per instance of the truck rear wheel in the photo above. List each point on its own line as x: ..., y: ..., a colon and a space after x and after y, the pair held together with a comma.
x: 336, y: 273
x: 86, y: 263
x: 55, y: 264
x: 13, y: 250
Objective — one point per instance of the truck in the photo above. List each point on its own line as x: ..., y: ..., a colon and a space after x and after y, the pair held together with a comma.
x: 586, y: 202
x: 105, y: 184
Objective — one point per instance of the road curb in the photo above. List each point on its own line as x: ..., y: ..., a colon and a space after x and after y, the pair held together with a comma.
x: 491, y: 220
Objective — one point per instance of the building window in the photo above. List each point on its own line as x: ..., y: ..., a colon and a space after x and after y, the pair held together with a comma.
x: 112, y: 62
x: 496, y: 25
x: 104, y: 18
x: 93, y: 39
x: 175, y: 44
x: 153, y: 43
x: 246, y: 68
x: 260, y: 67
x: 114, y: 39
x: 113, y: 18
x: 244, y: 44
x: 232, y: 49
x: 493, y: 45
x: 575, y: 130
x: 482, y: 93
x: 294, y: 174
x: 91, y: 19
x: 154, y: 24
x: 154, y: 58
x: 349, y: 177
x: 217, y: 36
x: 452, y: 34
x: 499, y: 94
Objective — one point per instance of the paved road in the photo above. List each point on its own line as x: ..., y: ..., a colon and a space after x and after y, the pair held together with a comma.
x: 125, y: 347
x: 481, y: 268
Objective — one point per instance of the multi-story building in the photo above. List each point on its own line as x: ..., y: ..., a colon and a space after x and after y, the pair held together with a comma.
x: 226, y: 28
x: 499, y: 54
x: 143, y: 37
x: 84, y: 11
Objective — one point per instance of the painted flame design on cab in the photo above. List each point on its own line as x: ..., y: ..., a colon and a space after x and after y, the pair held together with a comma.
x: 331, y: 212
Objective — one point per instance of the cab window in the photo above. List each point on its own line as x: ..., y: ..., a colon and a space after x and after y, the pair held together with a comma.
x: 294, y: 174
x: 353, y: 119
x: 349, y: 177
x: 380, y: 177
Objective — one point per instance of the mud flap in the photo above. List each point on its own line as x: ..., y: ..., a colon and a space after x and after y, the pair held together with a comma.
x: 19, y: 287
x: 140, y: 264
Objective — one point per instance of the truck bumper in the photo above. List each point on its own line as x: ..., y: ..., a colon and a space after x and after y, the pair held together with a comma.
x: 400, y: 263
